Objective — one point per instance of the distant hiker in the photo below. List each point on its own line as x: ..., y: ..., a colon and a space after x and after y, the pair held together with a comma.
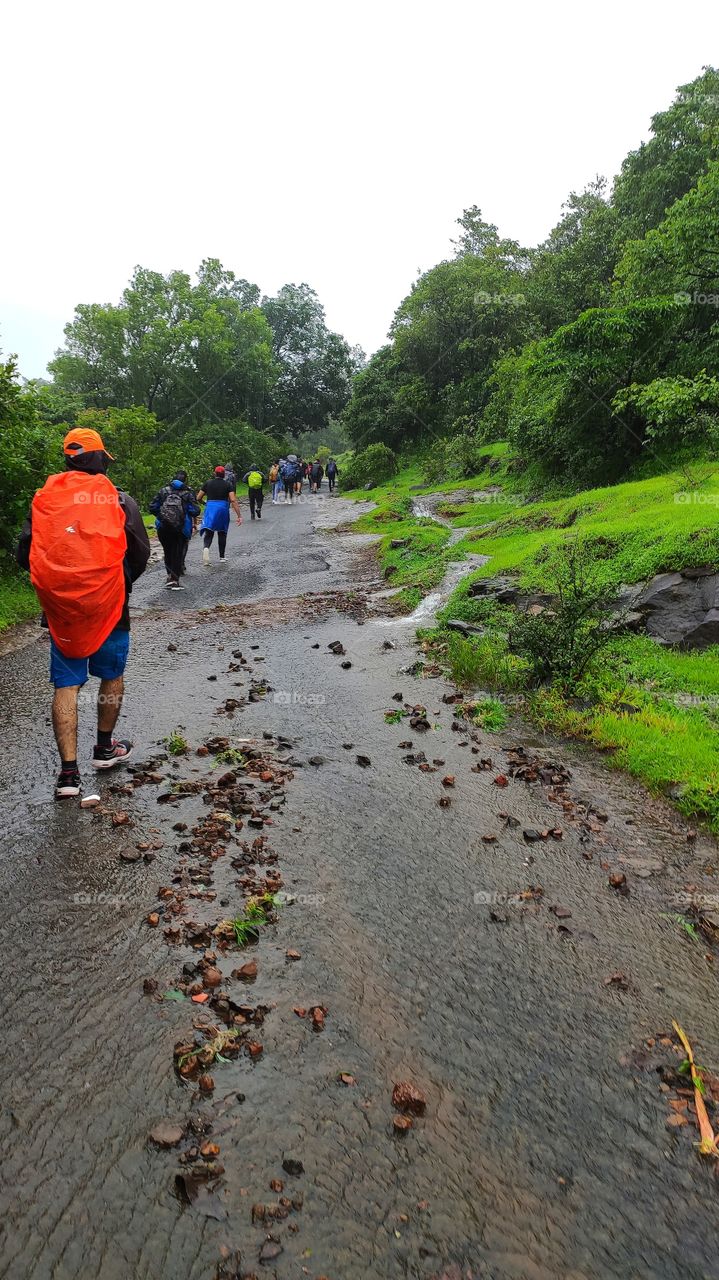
x: 230, y: 476
x: 254, y: 479
x: 174, y: 509
x: 84, y: 544
x: 193, y: 511
x: 317, y: 473
x: 275, y: 481
x: 287, y: 471
x: 332, y: 474
x: 220, y: 496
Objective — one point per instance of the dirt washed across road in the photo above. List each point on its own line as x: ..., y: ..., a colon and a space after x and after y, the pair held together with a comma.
x: 504, y: 943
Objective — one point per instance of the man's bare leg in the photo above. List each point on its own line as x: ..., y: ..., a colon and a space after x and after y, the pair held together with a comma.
x: 109, y: 752
x: 64, y: 722
x: 109, y: 702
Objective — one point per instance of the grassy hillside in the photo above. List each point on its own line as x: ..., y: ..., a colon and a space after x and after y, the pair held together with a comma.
x: 654, y: 711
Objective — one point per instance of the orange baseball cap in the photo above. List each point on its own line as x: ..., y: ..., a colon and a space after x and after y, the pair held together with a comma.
x: 83, y: 440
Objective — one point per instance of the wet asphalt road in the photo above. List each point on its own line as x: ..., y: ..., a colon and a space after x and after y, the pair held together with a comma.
x: 540, y: 1154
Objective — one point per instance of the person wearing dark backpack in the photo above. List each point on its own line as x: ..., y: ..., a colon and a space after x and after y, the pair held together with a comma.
x: 84, y: 544
x: 173, y: 508
x: 332, y: 474
x: 192, y: 513
x: 317, y: 471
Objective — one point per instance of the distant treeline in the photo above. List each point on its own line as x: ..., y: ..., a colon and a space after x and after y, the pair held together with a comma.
x: 178, y: 374
x: 597, y: 345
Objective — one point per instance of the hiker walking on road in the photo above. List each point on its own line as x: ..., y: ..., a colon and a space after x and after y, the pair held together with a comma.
x: 193, y: 511
x: 287, y: 471
x: 84, y: 544
x: 317, y: 473
x: 254, y: 479
x: 174, y: 509
x: 275, y: 481
x: 332, y: 474
x: 220, y: 496
x: 230, y: 476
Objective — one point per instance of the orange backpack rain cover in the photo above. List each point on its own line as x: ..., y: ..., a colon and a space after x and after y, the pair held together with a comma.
x: 76, y: 559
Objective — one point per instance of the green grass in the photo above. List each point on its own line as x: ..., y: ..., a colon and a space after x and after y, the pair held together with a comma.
x: 420, y: 565
x: 629, y: 532
x: 18, y: 602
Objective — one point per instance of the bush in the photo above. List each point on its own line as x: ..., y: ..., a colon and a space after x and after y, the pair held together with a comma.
x: 459, y: 457
x: 560, y: 642
x: 374, y: 465
x: 28, y: 450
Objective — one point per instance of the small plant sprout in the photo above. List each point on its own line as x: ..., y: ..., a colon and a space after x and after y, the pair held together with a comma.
x: 176, y: 743
x: 232, y: 755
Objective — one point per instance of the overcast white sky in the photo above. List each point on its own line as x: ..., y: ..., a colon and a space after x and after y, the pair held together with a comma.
x: 330, y: 141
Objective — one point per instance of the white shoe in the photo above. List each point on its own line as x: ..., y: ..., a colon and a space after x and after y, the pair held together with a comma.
x: 223, y: 559
x: 205, y: 555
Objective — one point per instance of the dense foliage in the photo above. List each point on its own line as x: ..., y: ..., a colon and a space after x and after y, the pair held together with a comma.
x: 179, y: 374
x: 595, y: 347
x: 372, y: 466
x: 209, y: 351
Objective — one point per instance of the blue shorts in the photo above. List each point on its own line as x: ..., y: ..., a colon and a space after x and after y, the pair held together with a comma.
x: 107, y: 663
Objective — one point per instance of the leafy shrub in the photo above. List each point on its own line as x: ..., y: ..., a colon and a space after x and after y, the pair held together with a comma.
x: 29, y: 449
x: 374, y: 465
x: 560, y: 642
x: 459, y: 457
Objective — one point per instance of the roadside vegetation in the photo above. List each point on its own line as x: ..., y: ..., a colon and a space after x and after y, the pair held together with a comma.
x: 565, y: 399
x: 652, y: 710
x: 178, y: 373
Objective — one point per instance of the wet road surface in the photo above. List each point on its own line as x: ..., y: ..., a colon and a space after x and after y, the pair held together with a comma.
x: 544, y: 1151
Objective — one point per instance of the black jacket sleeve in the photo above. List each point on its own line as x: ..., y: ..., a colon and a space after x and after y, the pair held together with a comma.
x: 22, y: 555
x: 138, y: 543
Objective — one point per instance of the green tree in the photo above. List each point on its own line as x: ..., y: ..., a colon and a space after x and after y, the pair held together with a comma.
x: 561, y: 406
x: 572, y: 270
x: 29, y: 449
x: 316, y: 365
x: 185, y: 352
x: 130, y: 435
x: 685, y: 140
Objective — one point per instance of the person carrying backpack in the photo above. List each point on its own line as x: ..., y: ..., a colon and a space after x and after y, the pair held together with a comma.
x: 317, y: 473
x: 174, y: 508
x: 84, y: 544
x: 230, y: 476
x: 332, y: 474
x: 287, y: 471
x: 193, y: 511
x: 274, y: 480
x: 220, y: 495
x: 254, y: 479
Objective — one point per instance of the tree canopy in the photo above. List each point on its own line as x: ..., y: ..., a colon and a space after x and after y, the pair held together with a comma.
x: 550, y: 347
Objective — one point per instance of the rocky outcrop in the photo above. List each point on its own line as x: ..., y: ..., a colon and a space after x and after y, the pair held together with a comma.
x: 679, y: 609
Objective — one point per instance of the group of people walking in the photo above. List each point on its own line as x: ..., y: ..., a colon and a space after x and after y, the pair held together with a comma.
x: 178, y: 511
x: 84, y: 543
x: 288, y: 475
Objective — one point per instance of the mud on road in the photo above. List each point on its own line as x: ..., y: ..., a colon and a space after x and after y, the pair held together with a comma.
x: 509, y: 948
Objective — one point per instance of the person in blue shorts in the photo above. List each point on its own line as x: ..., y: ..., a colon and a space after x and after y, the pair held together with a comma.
x: 84, y: 451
